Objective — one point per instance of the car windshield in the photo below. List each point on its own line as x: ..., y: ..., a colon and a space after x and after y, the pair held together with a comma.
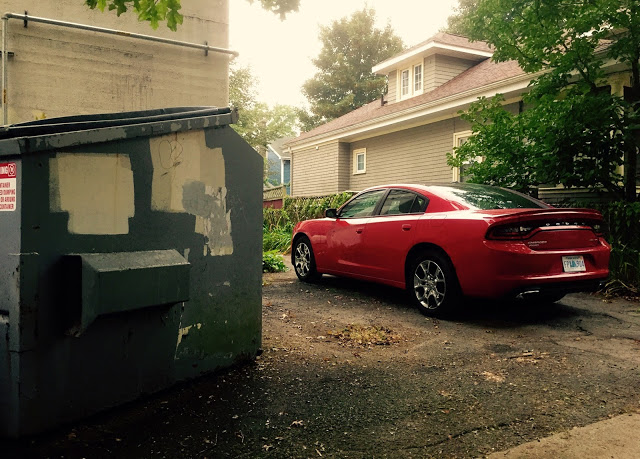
x: 486, y: 198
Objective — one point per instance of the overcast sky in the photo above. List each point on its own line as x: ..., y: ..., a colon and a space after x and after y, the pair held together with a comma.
x: 280, y: 52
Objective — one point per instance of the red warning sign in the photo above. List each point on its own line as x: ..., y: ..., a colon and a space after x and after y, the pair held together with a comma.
x: 8, y: 194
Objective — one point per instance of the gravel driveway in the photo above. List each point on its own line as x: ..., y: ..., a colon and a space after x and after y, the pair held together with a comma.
x: 350, y: 370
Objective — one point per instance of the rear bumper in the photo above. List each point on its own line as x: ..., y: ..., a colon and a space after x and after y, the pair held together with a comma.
x: 558, y: 288
x: 513, y: 268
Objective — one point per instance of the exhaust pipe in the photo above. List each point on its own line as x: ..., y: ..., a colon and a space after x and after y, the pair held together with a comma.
x: 527, y: 294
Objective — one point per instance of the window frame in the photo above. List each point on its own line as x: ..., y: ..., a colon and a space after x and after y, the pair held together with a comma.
x: 357, y: 152
x: 376, y: 208
x: 404, y: 95
x: 410, y: 71
x: 418, y: 91
x: 457, y: 137
x: 404, y: 190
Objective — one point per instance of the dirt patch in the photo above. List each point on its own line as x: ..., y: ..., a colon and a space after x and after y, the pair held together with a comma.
x: 365, y: 336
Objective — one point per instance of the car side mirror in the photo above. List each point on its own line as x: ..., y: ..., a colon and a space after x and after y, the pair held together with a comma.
x: 331, y: 213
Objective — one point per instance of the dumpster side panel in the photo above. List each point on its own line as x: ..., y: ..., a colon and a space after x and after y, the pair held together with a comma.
x: 10, y: 222
x: 223, y: 321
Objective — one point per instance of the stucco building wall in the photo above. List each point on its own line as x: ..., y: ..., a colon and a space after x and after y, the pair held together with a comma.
x: 56, y: 71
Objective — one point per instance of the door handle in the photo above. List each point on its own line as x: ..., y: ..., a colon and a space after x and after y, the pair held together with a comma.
x: 359, y: 230
x: 406, y: 227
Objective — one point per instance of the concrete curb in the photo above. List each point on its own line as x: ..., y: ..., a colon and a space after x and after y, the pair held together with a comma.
x: 617, y: 437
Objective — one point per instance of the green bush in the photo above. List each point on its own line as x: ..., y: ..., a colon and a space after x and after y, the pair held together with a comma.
x: 278, y: 223
x: 622, y: 231
x: 277, y: 239
x: 272, y: 262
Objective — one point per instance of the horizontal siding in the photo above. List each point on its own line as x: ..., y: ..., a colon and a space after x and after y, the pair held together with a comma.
x: 392, y: 86
x: 447, y: 68
x: 417, y: 155
x: 344, y: 166
x: 429, y: 78
x: 315, y: 172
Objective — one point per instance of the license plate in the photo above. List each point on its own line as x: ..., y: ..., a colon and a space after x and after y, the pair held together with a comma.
x: 573, y: 264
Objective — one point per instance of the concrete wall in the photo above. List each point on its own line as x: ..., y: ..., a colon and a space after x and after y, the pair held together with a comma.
x: 56, y: 71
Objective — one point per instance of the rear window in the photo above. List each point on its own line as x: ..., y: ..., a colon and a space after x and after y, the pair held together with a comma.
x: 486, y: 198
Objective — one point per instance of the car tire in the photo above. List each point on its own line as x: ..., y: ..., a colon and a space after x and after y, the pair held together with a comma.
x: 304, y: 262
x: 432, y: 284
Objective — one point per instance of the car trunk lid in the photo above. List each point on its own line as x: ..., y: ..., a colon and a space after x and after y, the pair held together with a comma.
x: 547, y: 229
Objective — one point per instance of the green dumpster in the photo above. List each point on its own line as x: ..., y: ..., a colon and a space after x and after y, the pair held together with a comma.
x: 130, y: 259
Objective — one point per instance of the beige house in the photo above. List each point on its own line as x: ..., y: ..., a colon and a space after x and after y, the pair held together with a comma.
x: 405, y: 136
x: 55, y: 70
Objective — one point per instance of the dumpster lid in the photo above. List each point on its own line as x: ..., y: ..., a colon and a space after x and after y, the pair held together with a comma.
x: 97, y: 121
x: 70, y: 131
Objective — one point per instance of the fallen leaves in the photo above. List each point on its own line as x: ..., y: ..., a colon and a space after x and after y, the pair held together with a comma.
x: 493, y: 377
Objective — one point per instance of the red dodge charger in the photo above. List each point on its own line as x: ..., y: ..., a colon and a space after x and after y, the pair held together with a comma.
x: 444, y: 242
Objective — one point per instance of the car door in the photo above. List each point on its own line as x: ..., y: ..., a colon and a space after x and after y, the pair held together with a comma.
x: 390, y: 235
x: 344, y: 239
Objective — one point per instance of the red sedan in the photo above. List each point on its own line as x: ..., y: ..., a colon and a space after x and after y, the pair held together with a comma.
x: 444, y: 242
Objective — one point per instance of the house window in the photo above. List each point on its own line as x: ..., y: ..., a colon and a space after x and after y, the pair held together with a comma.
x: 410, y: 81
x: 417, y: 79
x: 360, y: 161
x: 459, y: 138
x: 404, y: 83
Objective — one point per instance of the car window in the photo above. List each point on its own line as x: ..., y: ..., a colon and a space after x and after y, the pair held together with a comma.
x: 362, y: 205
x: 486, y: 198
x: 419, y: 205
x: 402, y: 202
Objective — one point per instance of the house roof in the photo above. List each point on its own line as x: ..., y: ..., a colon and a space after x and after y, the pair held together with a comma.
x: 478, y: 76
x: 278, y: 147
x: 440, y: 43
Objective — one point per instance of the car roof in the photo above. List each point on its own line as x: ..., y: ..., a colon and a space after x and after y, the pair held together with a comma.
x: 432, y: 187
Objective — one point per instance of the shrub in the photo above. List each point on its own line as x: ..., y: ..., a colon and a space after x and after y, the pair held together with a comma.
x: 622, y: 231
x: 272, y: 262
x: 277, y: 239
x: 278, y: 224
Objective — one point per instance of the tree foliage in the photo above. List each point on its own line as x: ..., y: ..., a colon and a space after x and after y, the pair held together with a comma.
x: 156, y: 11
x: 258, y: 124
x: 575, y: 132
x: 456, y: 22
x: 351, y: 46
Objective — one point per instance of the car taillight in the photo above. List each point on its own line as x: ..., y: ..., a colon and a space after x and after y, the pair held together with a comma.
x: 598, y: 228
x: 509, y: 232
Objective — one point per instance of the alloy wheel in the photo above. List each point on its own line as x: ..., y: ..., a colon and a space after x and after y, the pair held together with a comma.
x: 429, y: 284
x: 302, y: 259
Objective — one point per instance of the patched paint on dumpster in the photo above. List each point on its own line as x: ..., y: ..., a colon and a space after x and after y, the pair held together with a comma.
x: 95, y: 189
x: 188, y: 176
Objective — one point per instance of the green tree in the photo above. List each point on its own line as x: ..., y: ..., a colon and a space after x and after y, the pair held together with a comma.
x: 156, y: 11
x: 575, y: 132
x: 456, y: 22
x: 258, y: 124
x: 344, y: 81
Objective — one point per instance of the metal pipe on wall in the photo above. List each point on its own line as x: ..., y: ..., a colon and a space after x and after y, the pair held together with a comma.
x: 74, y: 25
